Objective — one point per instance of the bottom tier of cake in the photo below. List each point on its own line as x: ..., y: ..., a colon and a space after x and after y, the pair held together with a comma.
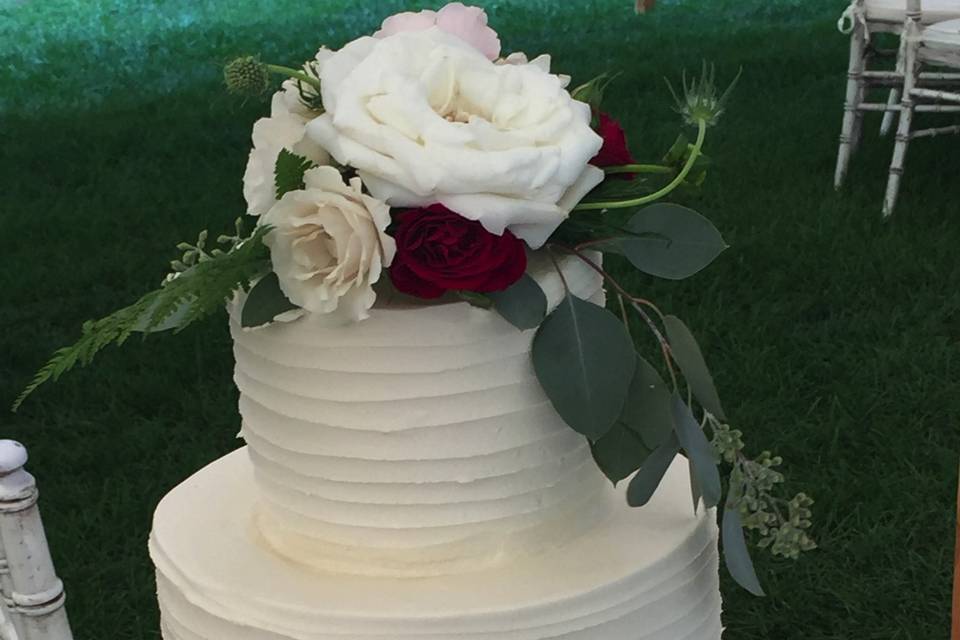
x: 644, y: 574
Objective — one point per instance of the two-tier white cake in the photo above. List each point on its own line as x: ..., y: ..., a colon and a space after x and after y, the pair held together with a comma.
x: 406, y: 477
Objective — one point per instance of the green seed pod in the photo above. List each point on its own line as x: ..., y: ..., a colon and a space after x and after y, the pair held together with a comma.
x: 246, y: 76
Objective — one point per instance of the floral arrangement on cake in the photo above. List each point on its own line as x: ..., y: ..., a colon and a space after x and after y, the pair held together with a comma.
x: 421, y: 161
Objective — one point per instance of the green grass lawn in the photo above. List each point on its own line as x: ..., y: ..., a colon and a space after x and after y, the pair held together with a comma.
x: 835, y: 337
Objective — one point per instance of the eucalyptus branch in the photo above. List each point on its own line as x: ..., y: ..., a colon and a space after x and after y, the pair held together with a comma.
x: 635, y: 302
x: 751, y: 484
x: 556, y: 265
x: 695, y: 153
x: 623, y: 314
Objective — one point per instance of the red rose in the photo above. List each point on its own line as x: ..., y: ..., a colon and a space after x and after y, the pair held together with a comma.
x: 439, y: 250
x: 614, y: 151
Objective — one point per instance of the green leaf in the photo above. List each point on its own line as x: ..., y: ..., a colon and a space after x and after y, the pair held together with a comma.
x: 681, y: 242
x: 523, y: 304
x: 264, y: 302
x: 678, y: 151
x: 619, y: 453
x: 686, y: 352
x: 647, y: 409
x: 584, y: 359
x: 735, y: 553
x: 699, y: 451
x: 644, y: 484
x: 194, y: 294
x: 289, y: 170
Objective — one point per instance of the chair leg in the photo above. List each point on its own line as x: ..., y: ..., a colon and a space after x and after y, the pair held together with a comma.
x: 889, y: 116
x: 848, y: 131
x: 911, y: 67
x: 857, y: 134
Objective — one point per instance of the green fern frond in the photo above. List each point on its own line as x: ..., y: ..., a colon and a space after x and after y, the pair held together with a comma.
x: 289, y: 170
x: 190, y: 296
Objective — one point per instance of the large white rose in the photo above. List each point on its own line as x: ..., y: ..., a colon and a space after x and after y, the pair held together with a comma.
x: 329, y: 244
x: 284, y: 129
x: 426, y: 118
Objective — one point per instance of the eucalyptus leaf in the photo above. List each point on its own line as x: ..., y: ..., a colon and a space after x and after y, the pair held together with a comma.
x: 699, y: 451
x: 584, y: 359
x: 644, y: 484
x: 682, y: 242
x: 647, y: 409
x: 523, y: 304
x: 264, y: 302
x: 688, y: 356
x: 735, y: 553
x: 619, y: 453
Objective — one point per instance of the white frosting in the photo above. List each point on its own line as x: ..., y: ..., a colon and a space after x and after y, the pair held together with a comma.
x: 417, y: 442
x: 643, y: 574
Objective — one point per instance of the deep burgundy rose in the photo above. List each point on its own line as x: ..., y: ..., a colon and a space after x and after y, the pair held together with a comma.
x: 614, y: 151
x: 439, y: 250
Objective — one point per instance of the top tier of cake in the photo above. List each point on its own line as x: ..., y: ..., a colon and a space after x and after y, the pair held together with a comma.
x: 417, y: 442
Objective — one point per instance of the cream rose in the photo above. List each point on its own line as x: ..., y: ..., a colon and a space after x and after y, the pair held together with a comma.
x: 284, y: 129
x: 426, y: 118
x: 329, y: 244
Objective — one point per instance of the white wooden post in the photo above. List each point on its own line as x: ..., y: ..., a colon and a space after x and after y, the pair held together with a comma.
x: 32, y: 594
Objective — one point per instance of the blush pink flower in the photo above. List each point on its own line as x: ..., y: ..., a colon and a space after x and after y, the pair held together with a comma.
x: 467, y: 23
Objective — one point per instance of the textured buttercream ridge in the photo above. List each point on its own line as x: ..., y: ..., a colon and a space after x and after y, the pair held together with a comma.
x: 225, y: 585
x: 400, y: 414
x: 392, y: 430
x: 484, y: 435
x: 418, y: 515
x: 631, y: 601
x: 353, y: 386
x: 361, y: 394
x: 535, y: 479
x: 459, y: 471
x: 542, y: 439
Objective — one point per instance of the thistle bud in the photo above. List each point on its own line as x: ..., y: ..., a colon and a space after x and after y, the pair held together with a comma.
x: 701, y: 100
x: 246, y: 76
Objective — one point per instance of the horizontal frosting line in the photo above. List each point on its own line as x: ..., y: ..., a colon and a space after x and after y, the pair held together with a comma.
x: 398, y: 414
x: 231, y: 575
x: 380, y: 387
x: 456, y: 440
x: 668, y: 613
x: 441, y: 541
x: 423, y: 515
x: 513, y: 485
x: 567, y: 448
x: 644, y: 581
x: 430, y: 387
x: 428, y: 551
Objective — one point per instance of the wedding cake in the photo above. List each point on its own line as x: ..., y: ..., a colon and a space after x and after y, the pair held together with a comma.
x: 449, y: 435
x: 406, y: 477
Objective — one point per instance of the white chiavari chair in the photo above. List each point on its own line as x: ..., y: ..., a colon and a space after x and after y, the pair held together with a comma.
x: 863, y: 20
x: 925, y: 46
